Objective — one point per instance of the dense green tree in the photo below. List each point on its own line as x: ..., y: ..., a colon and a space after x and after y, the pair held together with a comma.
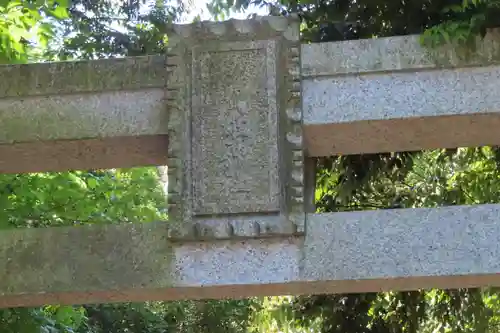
x: 25, y: 27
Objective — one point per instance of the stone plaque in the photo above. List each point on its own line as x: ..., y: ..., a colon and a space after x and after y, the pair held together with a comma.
x: 235, y: 130
x: 235, y: 144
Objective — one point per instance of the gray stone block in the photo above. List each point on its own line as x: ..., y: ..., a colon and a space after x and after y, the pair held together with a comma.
x: 235, y: 148
x: 71, y: 77
x: 403, y: 243
x: 82, y: 116
x: 395, y: 53
x: 366, y: 251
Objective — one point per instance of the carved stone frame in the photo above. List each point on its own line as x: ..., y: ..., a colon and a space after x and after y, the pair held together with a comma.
x: 282, y: 212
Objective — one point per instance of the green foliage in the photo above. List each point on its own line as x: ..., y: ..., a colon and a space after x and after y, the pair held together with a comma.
x: 467, y: 21
x: 25, y: 25
x: 438, y: 21
x: 77, y: 197
x: 231, y: 316
x: 107, y: 28
x: 51, y: 319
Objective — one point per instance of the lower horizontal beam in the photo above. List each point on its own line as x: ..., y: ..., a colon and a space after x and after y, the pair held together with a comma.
x: 253, y: 290
x: 369, y: 251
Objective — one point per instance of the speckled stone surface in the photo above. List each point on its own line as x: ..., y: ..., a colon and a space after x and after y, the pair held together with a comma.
x: 460, y: 240
x: 254, y: 261
x: 235, y: 128
x: 392, y: 54
x: 402, y: 95
x: 392, y: 94
x: 82, y: 76
x: 235, y: 162
x: 367, y: 251
x: 82, y: 116
x: 84, y: 259
x: 404, y: 82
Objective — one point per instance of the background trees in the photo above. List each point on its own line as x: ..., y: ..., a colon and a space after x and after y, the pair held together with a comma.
x: 57, y: 30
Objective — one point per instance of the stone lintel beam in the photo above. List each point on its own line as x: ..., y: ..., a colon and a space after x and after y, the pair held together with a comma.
x: 393, y: 94
x: 368, y: 251
x: 363, y: 96
x: 83, y: 115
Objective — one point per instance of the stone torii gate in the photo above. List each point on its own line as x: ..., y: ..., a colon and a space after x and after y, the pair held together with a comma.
x: 237, y: 110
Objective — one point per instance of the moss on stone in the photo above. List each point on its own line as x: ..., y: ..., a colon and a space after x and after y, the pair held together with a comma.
x: 82, y: 76
x: 85, y: 259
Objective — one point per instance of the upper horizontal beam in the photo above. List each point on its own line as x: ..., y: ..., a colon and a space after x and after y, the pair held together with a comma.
x: 74, y: 77
x: 400, y: 53
x: 402, y: 111
x: 369, y: 251
x: 411, y: 99
x: 83, y: 115
x: 393, y: 94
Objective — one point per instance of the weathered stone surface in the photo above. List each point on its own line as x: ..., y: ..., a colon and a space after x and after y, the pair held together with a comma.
x: 234, y: 130
x: 85, y: 259
x: 402, y: 110
x: 402, y: 95
x: 235, y: 127
x: 392, y: 94
x: 403, y: 243
x: 83, y: 116
x: 82, y: 76
x: 336, y: 111
x: 239, y: 263
x: 393, y: 54
x: 367, y: 251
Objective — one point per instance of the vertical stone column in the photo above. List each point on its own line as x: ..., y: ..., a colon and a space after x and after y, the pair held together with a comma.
x: 236, y: 164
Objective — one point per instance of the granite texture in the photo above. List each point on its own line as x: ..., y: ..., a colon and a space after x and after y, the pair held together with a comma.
x: 233, y: 94
x: 392, y: 94
x: 399, y: 95
x: 401, y: 243
x: 85, y: 259
x: 393, y: 54
x: 82, y: 76
x: 366, y: 251
x: 233, y: 226
x: 387, y: 79
x: 249, y: 262
x: 234, y: 130
x: 82, y: 116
